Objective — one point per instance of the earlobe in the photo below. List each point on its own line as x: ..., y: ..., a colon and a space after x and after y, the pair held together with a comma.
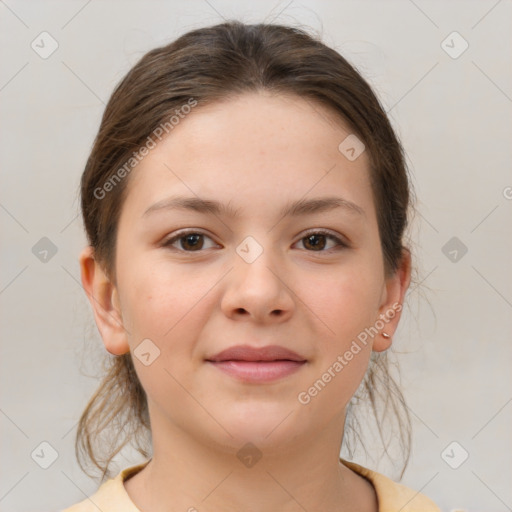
x: 391, y: 307
x: 103, y: 296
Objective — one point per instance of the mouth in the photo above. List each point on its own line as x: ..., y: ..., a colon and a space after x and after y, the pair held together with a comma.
x: 250, y: 364
x: 257, y: 354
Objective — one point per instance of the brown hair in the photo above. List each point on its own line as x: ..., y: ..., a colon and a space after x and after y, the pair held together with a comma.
x: 212, y: 64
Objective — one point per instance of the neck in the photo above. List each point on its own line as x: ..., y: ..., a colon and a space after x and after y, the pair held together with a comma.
x: 288, y: 475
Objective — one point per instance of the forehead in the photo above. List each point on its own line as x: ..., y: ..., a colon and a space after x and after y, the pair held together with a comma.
x: 257, y: 149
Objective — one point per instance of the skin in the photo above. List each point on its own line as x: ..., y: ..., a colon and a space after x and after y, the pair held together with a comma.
x: 257, y: 152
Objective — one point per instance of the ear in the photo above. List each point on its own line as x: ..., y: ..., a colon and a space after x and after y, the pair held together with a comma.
x: 104, y: 299
x: 392, y: 300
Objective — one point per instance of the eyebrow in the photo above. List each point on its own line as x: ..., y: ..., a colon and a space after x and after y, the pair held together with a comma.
x: 295, y: 208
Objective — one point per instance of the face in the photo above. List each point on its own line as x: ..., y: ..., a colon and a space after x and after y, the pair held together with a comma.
x: 191, y: 283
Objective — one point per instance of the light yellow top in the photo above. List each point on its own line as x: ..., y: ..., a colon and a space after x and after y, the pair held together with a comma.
x: 392, y: 497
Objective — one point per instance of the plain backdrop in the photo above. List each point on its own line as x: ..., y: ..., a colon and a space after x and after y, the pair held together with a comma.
x: 448, y: 95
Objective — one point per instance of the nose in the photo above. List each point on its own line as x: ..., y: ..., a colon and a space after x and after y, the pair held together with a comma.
x: 259, y: 291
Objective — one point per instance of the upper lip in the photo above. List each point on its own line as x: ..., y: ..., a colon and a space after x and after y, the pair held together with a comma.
x: 248, y: 353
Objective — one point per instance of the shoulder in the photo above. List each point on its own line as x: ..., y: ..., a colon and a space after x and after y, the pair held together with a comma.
x: 392, y: 496
x: 111, y: 496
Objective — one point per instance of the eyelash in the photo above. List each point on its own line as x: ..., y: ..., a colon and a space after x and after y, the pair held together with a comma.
x: 341, y: 244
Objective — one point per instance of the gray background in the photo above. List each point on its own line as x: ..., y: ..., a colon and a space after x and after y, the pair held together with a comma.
x: 454, y: 118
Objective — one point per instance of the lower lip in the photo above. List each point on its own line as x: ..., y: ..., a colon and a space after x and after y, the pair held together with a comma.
x: 258, y: 371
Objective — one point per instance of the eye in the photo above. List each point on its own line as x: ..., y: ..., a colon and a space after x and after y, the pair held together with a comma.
x: 190, y: 241
x: 318, y: 240
x: 193, y: 241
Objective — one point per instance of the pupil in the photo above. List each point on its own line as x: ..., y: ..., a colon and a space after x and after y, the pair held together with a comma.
x: 317, y: 244
x: 193, y: 244
x: 192, y: 241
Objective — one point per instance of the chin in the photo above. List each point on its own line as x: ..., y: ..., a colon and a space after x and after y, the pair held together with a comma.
x: 262, y: 423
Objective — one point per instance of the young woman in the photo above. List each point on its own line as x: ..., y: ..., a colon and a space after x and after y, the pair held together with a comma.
x: 245, y: 203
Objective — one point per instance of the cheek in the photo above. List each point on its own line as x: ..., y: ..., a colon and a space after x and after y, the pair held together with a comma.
x: 164, y: 305
x: 347, y: 303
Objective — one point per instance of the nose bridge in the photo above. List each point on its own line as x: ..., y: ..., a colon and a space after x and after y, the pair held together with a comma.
x: 255, y: 284
x: 250, y: 249
x: 256, y: 263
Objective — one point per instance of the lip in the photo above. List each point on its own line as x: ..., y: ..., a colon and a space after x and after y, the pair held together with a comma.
x: 257, y: 364
x: 258, y: 371
x: 254, y: 354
